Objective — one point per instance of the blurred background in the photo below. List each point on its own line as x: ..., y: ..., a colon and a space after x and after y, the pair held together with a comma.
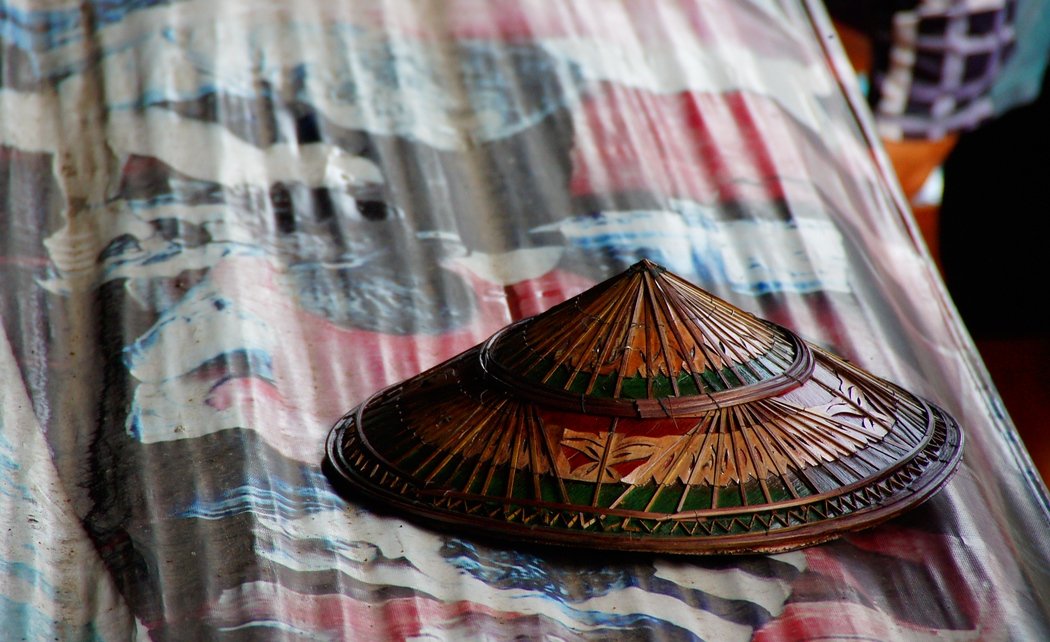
x: 959, y: 93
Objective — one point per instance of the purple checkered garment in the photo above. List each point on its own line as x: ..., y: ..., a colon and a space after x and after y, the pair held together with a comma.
x: 938, y: 67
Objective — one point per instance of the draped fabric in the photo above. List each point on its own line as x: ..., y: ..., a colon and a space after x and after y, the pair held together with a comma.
x: 224, y: 224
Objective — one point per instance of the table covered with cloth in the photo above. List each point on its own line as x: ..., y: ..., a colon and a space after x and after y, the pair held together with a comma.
x: 225, y: 224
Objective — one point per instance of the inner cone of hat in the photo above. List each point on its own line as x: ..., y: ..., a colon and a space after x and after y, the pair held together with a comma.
x: 646, y: 415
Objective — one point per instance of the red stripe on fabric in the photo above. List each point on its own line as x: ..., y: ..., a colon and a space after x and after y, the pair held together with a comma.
x: 395, y: 620
x: 944, y: 561
x: 532, y: 296
x: 708, y: 147
x: 837, y: 621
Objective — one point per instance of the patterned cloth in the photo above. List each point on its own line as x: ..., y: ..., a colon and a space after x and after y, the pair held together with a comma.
x: 935, y: 62
x: 224, y: 224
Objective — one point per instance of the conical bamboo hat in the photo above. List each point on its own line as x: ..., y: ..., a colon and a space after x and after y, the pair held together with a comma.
x: 646, y: 414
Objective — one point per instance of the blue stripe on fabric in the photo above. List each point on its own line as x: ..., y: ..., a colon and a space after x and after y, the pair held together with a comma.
x: 568, y: 584
x: 268, y: 495
x: 24, y: 621
x: 44, y: 29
